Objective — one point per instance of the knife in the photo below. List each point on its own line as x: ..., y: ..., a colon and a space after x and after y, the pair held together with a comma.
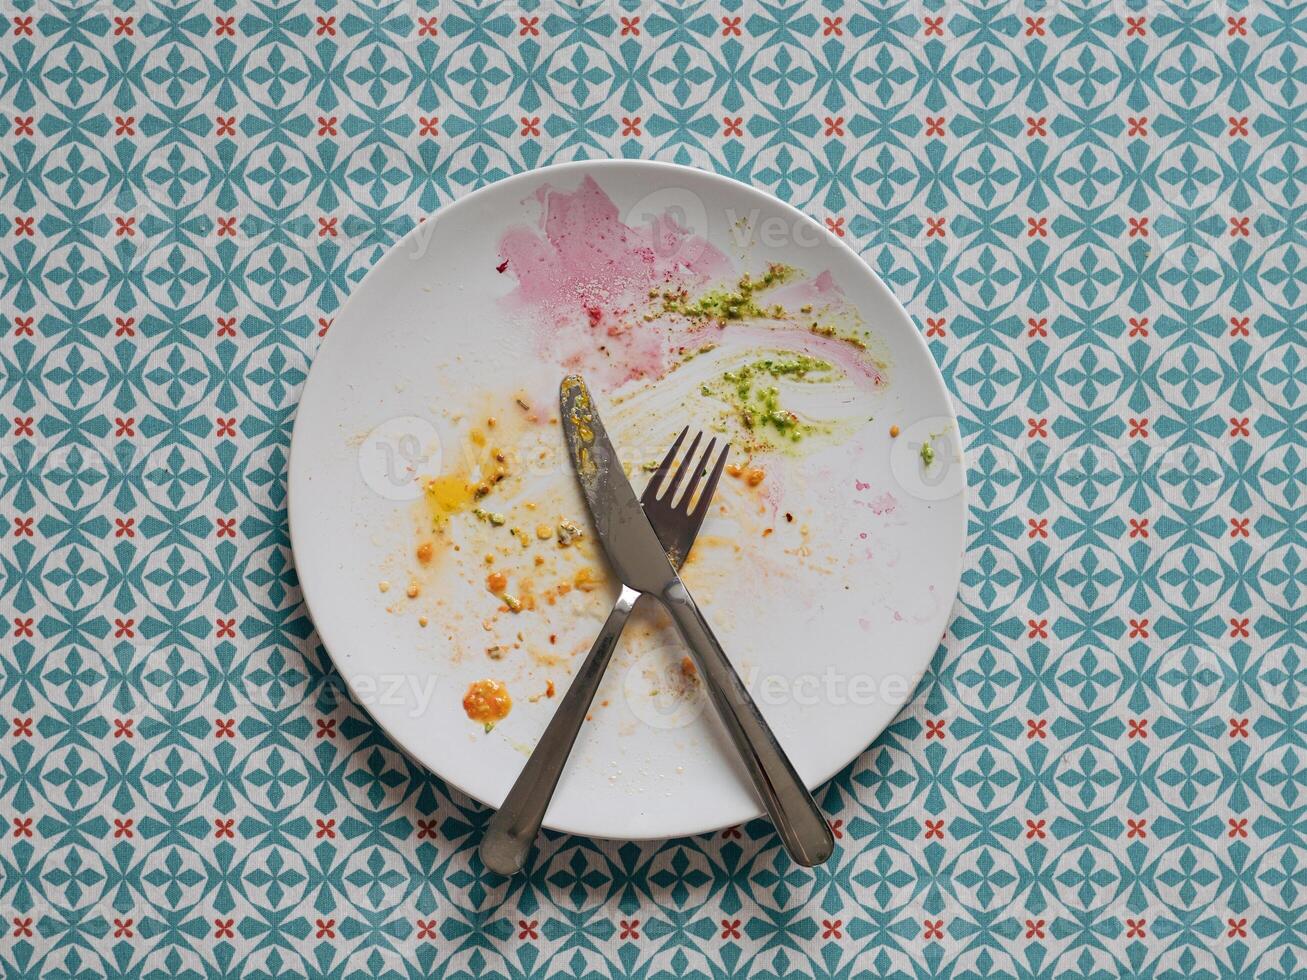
x: 637, y: 557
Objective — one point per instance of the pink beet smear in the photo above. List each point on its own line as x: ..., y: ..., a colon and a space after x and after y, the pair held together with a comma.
x: 584, y: 254
x: 589, y: 272
x: 584, y: 278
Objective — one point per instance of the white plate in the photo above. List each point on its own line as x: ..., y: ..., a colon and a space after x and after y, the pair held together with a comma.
x: 832, y: 614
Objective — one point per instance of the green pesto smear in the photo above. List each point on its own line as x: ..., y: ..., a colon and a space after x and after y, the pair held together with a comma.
x: 756, y: 403
x: 732, y: 304
x: 721, y: 306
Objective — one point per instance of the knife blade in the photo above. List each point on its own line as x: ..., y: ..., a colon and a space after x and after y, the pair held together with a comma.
x: 628, y: 538
x: 637, y: 557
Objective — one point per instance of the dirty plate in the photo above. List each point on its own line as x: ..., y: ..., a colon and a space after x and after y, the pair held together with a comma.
x: 443, y: 546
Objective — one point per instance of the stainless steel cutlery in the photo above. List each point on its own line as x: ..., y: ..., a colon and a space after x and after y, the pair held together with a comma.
x: 676, y: 521
x: 637, y: 555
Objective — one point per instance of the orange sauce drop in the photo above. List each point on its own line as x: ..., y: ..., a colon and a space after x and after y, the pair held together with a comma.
x: 487, y: 701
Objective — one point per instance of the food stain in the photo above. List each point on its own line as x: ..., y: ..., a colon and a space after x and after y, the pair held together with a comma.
x: 757, y: 404
x: 630, y: 304
x: 731, y: 304
x: 447, y: 495
x: 589, y: 273
x: 487, y: 702
x: 464, y: 488
x: 771, y: 358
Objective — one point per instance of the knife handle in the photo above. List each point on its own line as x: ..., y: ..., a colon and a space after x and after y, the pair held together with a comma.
x: 801, y: 825
x: 513, y: 829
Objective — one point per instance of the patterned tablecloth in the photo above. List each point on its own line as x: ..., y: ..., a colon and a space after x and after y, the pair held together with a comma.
x: 1095, y: 214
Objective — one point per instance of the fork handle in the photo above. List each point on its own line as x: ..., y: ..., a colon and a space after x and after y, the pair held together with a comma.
x: 513, y: 829
x: 802, y: 827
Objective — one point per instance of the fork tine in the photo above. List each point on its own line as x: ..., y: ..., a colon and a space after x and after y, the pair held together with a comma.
x: 700, y: 469
x: 680, y: 470
x: 709, y: 488
x: 656, y: 479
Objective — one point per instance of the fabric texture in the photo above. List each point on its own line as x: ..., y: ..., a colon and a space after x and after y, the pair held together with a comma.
x: 1094, y: 213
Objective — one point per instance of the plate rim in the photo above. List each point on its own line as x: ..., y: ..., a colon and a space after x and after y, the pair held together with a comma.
x: 583, y: 166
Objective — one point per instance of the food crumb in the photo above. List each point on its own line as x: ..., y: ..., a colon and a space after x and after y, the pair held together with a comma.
x: 568, y: 532
x: 425, y: 550
x: 383, y: 586
x: 549, y: 689
x: 752, y: 475
x: 893, y: 431
x: 412, y: 590
x: 422, y: 621
x: 544, y: 532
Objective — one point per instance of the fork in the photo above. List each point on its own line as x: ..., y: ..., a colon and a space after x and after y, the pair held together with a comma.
x: 676, y: 520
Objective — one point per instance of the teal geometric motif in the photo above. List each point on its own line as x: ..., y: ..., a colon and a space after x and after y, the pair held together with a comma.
x: 1095, y: 214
